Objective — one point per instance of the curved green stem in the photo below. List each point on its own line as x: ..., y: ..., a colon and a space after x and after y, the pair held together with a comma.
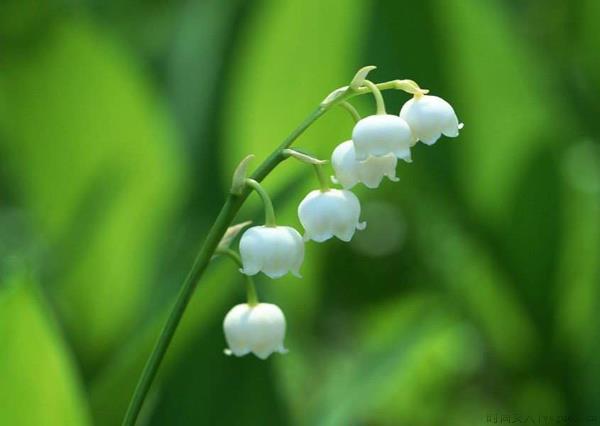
x: 377, y: 95
x: 323, y: 182
x: 251, y: 295
x: 302, y: 157
x: 269, y: 210
x: 230, y: 208
x: 350, y: 108
x: 232, y: 254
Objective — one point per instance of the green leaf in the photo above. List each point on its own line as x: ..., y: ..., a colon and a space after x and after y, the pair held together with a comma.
x: 402, y: 353
x: 579, y: 260
x: 499, y: 95
x: 40, y: 384
x: 588, y: 54
x: 471, y: 273
x: 92, y: 157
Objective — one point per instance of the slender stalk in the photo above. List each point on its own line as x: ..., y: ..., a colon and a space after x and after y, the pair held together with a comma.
x: 224, y: 219
x: 228, y: 212
x: 269, y: 210
x: 232, y: 254
x: 302, y: 157
x: 251, y: 295
x: 323, y: 182
x: 350, y: 108
x: 407, y: 86
x: 378, y: 97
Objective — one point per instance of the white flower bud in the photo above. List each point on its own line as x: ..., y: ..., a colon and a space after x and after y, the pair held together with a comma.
x: 429, y: 117
x: 259, y: 329
x: 379, y: 135
x: 349, y: 171
x: 274, y: 250
x: 325, y: 214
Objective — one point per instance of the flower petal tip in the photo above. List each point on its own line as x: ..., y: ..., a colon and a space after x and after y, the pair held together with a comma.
x: 275, y: 275
x: 429, y: 142
x: 262, y: 355
x: 246, y: 272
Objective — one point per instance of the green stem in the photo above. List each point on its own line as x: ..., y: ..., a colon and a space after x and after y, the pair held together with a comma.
x: 269, y: 210
x: 407, y: 86
x: 230, y: 208
x: 323, y: 182
x: 232, y: 254
x: 251, y: 294
x: 224, y: 219
x: 378, y: 97
x: 350, y: 108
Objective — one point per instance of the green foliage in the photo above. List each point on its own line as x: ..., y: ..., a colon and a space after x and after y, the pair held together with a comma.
x: 90, y: 155
x: 121, y: 124
x: 503, y: 98
x: 40, y: 380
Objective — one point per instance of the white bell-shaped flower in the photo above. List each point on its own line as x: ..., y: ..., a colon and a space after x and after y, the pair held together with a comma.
x: 380, y: 135
x: 274, y: 250
x: 259, y: 329
x: 330, y: 213
x: 429, y: 117
x: 349, y: 171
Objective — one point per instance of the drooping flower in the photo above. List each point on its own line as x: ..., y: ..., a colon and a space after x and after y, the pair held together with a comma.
x: 349, y: 171
x: 380, y: 135
x: 429, y: 117
x: 330, y: 213
x: 274, y: 250
x: 259, y: 329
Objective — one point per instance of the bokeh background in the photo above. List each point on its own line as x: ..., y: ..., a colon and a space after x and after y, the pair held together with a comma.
x: 473, y: 293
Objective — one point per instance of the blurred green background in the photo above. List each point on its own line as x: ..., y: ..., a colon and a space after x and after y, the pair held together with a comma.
x: 472, y: 294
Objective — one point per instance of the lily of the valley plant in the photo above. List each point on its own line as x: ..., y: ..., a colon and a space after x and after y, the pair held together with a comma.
x: 378, y: 142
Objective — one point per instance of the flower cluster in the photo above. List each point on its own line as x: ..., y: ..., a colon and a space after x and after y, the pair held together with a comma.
x: 378, y: 142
